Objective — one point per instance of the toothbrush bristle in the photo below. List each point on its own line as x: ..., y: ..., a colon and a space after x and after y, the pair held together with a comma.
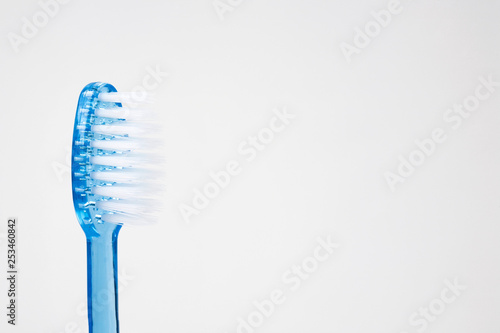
x: 120, y: 162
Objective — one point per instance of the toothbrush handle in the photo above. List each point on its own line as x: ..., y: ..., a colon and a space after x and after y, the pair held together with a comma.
x: 102, y: 282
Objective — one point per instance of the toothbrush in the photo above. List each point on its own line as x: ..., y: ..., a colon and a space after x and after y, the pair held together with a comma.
x: 112, y: 176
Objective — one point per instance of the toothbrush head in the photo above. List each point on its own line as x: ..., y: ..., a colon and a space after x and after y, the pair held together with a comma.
x: 114, y: 167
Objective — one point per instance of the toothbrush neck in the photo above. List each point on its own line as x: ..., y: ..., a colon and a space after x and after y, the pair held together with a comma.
x: 102, y: 281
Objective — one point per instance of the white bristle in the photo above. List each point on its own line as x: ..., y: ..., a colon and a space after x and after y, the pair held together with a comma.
x: 123, y: 130
x: 123, y: 176
x: 112, y: 160
x: 123, y: 206
x: 124, y: 162
x: 123, y: 113
x: 117, y: 144
x: 125, y: 97
x: 122, y: 191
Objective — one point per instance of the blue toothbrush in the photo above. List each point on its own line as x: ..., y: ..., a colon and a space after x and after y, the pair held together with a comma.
x: 113, y: 169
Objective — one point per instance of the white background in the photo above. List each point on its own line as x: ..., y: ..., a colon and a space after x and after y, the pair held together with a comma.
x: 323, y: 175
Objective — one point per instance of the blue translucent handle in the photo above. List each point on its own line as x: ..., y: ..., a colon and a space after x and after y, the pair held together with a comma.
x: 102, y: 279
